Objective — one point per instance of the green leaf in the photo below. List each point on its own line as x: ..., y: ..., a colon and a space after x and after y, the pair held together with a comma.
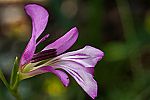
x: 14, y: 72
x: 2, y: 77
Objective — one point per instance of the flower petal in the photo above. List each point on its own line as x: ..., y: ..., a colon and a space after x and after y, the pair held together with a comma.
x: 62, y: 75
x: 65, y: 42
x: 39, y: 18
x: 81, y: 75
x: 80, y: 65
x: 28, y: 52
x: 87, y: 56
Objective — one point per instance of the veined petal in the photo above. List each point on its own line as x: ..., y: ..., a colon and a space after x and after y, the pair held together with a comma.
x: 39, y: 18
x: 62, y: 75
x: 87, y: 56
x: 82, y: 76
x: 80, y: 65
x: 65, y: 42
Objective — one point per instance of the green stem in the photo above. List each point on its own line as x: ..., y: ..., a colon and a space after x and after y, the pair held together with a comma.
x: 13, y: 90
x: 16, y: 94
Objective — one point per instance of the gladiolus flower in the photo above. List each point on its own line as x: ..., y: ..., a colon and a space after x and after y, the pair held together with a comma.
x: 79, y: 64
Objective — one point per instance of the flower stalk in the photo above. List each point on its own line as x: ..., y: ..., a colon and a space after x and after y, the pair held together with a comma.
x: 14, y: 81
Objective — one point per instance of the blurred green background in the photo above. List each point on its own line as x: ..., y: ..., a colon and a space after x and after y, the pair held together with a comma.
x: 120, y: 28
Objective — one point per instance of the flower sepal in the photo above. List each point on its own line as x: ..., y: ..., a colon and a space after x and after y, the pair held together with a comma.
x: 14, y: 73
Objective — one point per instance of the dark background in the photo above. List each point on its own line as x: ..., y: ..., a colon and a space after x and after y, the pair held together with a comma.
x: 120, y: 28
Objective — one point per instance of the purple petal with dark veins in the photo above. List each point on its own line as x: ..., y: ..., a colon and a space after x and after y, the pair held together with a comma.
x: 87, y: 56
x: 80, y: 65
x: 65, y: 42
x: 40, y: 54
x: 82, y: 76
x: 39, y: 18
x: 42, y: 57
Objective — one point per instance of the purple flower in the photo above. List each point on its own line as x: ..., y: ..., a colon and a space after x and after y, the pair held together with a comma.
x: 79, y: 64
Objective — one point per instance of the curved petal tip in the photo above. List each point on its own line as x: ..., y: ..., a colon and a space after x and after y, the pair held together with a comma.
x: 65, y: 42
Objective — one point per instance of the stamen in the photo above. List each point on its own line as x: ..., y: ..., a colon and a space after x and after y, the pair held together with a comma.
x: 44, y: 55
